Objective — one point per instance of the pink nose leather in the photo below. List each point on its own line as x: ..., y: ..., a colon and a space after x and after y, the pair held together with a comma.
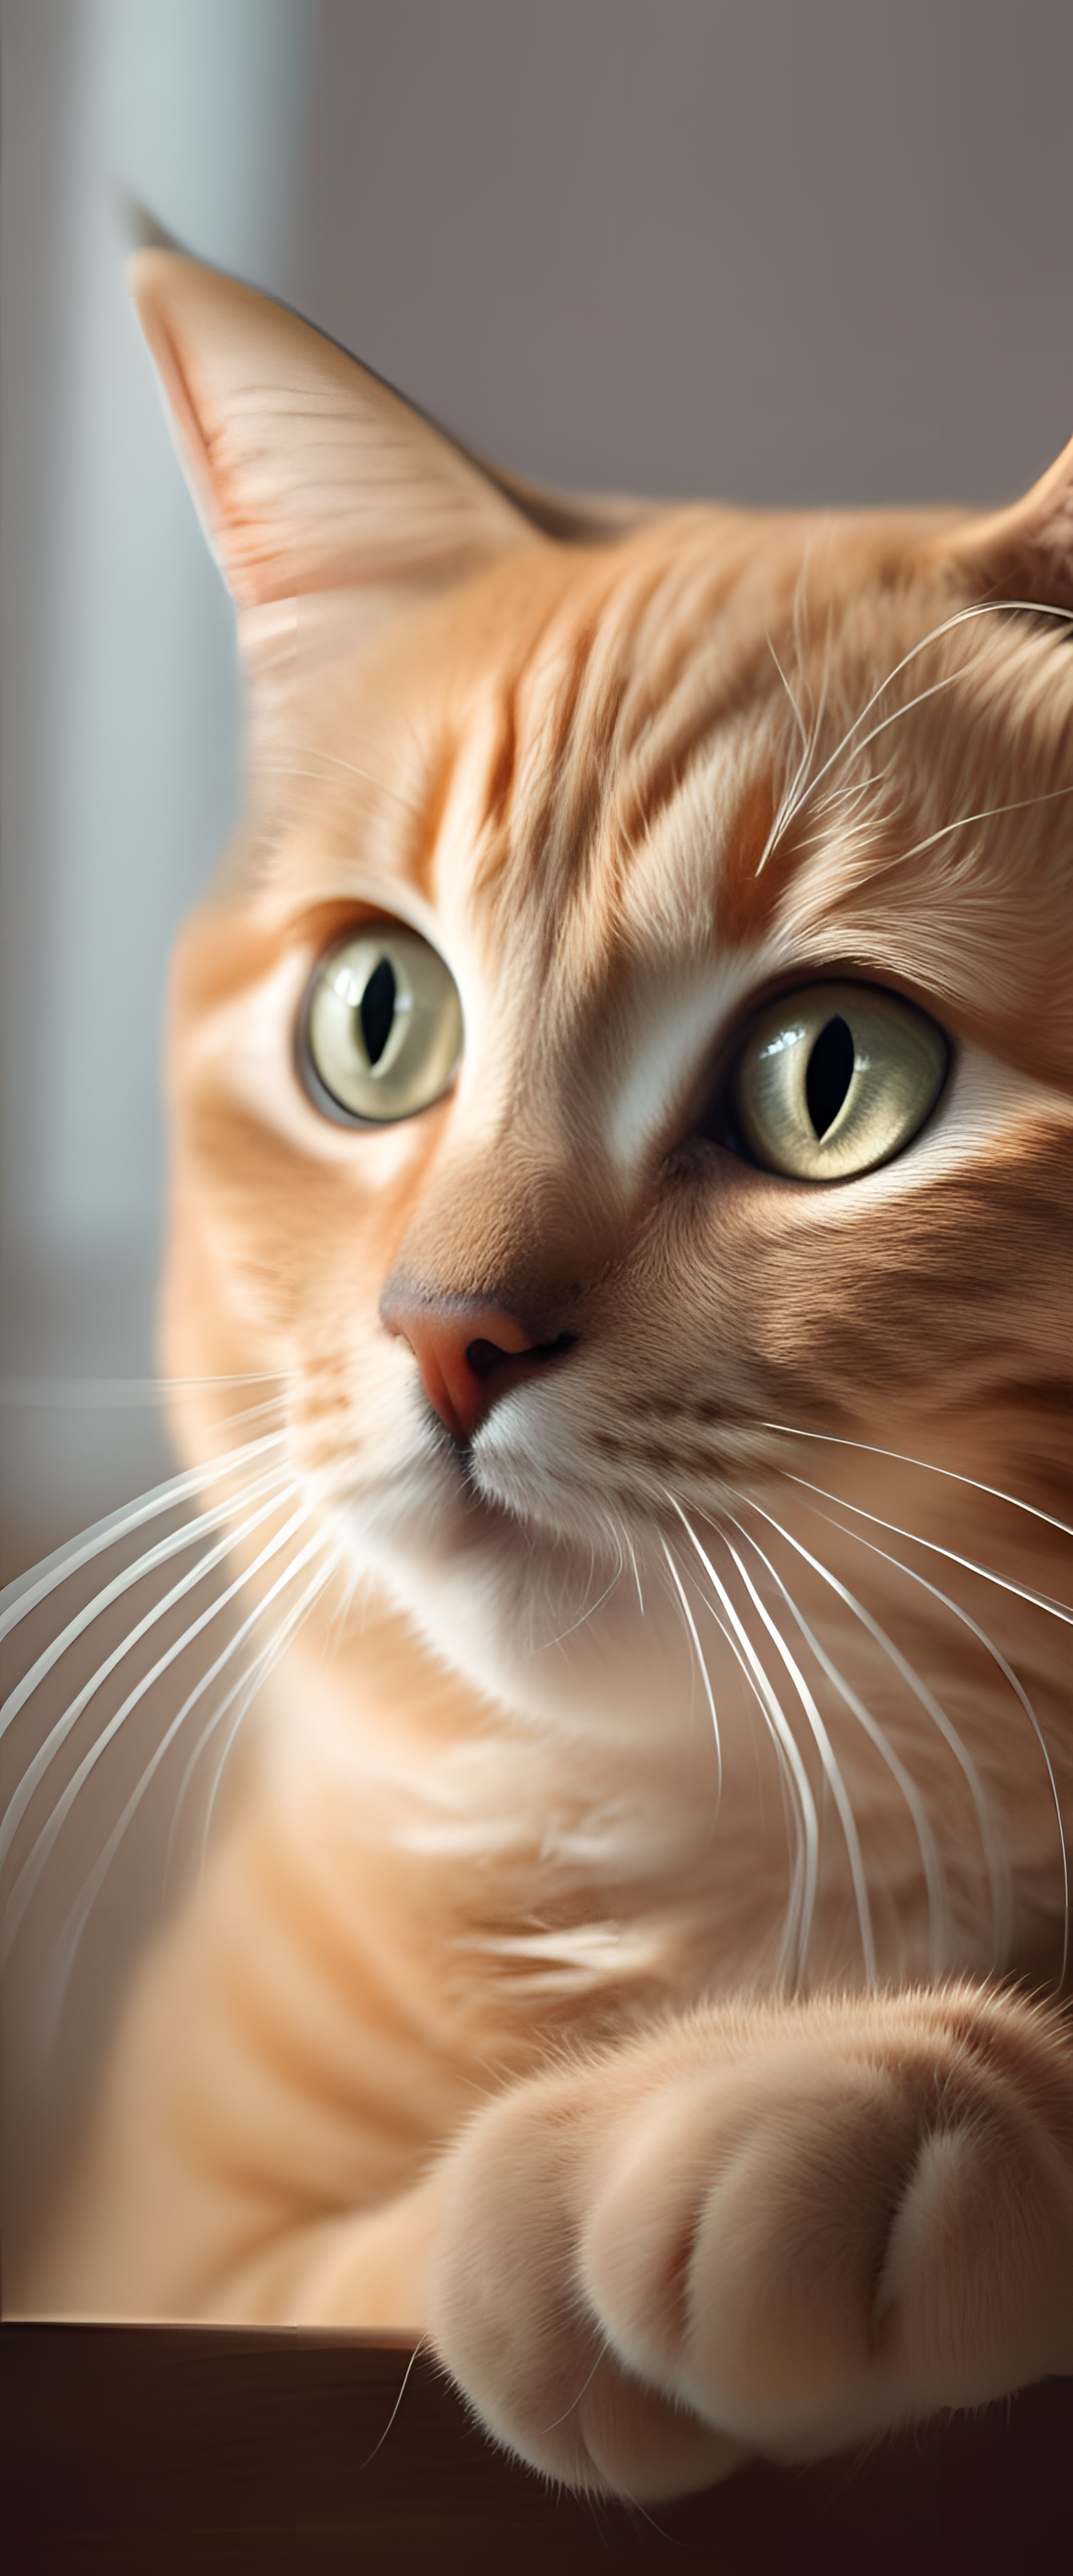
x: 467, y: 1355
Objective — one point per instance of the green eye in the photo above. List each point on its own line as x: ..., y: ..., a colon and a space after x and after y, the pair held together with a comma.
x: 835, y: 1080
x: 382, y: 1028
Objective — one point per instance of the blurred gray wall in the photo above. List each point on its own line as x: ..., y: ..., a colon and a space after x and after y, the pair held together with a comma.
x: 779, y: 250
x: 120, y: 768
x: 776, y: 250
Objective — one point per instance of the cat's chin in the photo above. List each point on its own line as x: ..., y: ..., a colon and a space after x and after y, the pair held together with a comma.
x: 564, y: 1629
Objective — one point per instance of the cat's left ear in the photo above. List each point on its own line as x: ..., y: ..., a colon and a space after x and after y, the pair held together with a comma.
x: 330, y: 503
x: 1026, y: 552
x: 310, y: 473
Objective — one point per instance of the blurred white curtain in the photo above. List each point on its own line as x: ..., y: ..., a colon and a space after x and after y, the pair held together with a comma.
x: 120, y: 741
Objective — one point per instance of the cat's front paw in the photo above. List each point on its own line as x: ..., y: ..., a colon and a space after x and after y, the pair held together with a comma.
x: 772, y: 2231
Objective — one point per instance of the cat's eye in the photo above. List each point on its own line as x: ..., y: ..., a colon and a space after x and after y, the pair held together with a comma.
x: 835, y: 1080
x: 382, y: 1027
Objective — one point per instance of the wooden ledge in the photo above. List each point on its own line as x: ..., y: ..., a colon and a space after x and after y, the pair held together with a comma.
x: 145, y: 2448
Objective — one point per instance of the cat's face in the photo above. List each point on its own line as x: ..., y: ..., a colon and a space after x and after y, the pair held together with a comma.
x: 566, y: 780
x: 650, y: 804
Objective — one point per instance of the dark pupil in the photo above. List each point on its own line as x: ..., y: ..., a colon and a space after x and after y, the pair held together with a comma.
x: 376, y: 1010
x: 830, y: 1072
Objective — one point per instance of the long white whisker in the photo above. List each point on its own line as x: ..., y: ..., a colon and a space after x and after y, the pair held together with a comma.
x: 850, y: 799
x: 69, y: 1394
x: 249, y: 1681
x: 1019, y: 1591
x: 831, y: 1767
x: 930, y: 1862
x: 270, y: 1656
x: 972, y: 1483
x: 76, y: 1920
x: 24, y: 1594
x: 1008, y: 1673
x: 277, y: 1487
x: 804, y: 1901
x: 787, y: 803
x: 987, y: 814
x: 588, y: 1608
x: 962, y: 617
x: 806, y: 737
x: 994, y: 1858
x: 636, y: 1571
x: 703, y: 1670
x: 36, y: 1858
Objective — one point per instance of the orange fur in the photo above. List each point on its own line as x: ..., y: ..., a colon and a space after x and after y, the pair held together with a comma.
x: 508, y: 2007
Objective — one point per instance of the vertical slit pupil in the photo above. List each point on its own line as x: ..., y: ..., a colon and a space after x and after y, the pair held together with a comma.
x: 376, y: 1009
x: 829, y: 1074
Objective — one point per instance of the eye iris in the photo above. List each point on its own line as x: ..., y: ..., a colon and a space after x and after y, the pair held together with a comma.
x: 376, y: 1009
x: 829, y: 1074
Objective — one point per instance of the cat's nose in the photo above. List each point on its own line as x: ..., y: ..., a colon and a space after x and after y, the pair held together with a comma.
x: 468, y: 1354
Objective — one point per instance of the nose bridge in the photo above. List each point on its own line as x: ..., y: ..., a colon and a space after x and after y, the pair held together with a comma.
x: 519, y: 1225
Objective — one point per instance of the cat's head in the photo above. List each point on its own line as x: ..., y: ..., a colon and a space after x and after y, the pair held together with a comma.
x: 629, y: 1055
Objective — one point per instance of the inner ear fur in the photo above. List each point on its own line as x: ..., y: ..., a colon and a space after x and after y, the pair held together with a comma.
x: 1026, y: 552
x: 331, y: 504
x: 311, y: 474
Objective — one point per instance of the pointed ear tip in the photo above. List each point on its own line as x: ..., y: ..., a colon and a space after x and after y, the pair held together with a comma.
x: 152, y: 269
x: 157, y: 275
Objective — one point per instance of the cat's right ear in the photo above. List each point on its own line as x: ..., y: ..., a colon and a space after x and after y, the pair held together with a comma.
x: 1025, y: 553
x: 311, y: 475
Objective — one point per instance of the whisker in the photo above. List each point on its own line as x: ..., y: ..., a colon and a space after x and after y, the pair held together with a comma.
x: 588, y: 1608
x: 1019, y: 1591
x: 993, y: 1856
x: 961, y: 617
x: 851, y: 799
x: 855, y: 792
x: 267, y: 1660
x: 1009, y: 1675
x: 277, y: 1484
x: 25, y: 1593
x: 603, y: 2348
x: 988, y: 814
x: 799, y: 720
x: 808, y: 745
x: 832, y: 1772
x: 801, y: 771
x: 704, y: 1673
x: 73, y: 1393
x: 835, y: 1440
x: 422, y: 2345
x: 249, y: 1681
x: 74, y: 1925
x: 805, y: 1868
x: 35, y: 1861
x: 877, y: 1736
x: 635, y: 1570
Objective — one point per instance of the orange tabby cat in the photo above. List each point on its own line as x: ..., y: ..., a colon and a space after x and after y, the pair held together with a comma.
x: 621, y: 1090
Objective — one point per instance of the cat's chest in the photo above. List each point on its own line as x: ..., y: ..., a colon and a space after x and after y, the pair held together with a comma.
x: 495, y: 1885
